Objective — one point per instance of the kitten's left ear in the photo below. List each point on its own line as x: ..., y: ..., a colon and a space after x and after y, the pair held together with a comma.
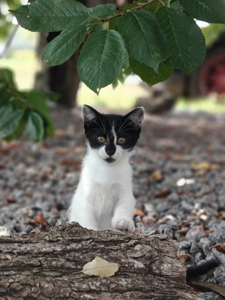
x: 89, y: 114
x: 137, y: 115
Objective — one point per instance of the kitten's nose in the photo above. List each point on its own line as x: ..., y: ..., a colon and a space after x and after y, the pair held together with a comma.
x: 110, y: 150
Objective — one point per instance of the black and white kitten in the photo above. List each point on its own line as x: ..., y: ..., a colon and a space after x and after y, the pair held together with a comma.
x: 104, y: 197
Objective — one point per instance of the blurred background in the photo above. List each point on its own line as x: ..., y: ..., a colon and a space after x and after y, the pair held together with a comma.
x: 203, y: 89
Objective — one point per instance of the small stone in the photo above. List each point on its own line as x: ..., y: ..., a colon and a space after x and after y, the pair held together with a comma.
x: 185, y: 245
x: 194, y: 248
x: 198, y: 257
x: 4, y: 231
x: 195, y: 233
x: 204, y: 243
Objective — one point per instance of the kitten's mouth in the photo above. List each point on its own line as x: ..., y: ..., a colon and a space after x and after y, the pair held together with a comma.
x: 110, y: 160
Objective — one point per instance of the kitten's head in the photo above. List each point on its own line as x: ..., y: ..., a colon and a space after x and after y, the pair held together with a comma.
x: 112, y: 136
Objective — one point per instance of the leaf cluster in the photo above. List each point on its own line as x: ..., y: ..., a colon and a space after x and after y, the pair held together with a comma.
x: 149, y: 37
x: 23, y: 111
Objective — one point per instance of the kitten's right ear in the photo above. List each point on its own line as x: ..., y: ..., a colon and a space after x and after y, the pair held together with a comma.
x: 137, y: 116
x: 89, y: 114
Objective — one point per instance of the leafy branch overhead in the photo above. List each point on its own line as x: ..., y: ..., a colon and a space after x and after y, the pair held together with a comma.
x: 148, y: 38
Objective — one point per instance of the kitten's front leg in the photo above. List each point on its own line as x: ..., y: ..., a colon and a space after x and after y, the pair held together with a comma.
x: 82, y: 210
x: 84, y: 216
x: 123, y: 216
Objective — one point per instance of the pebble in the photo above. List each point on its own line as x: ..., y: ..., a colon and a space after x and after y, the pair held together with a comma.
x: 195, y: 233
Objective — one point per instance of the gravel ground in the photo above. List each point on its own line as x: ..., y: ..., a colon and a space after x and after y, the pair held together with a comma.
x: 179, y: 182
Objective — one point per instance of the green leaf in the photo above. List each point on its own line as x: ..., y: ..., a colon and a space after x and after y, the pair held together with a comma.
x: 176, y: 5
x: 34, y: 127
x: 37, y: 102
x: 18, y: 102
x: 10, y: 123
x: 61, y: 48
x: 8, y: 77
x: 148, y: 75
x: 125, y: 71
x: 154, y: 7
x: 5, y: 110
x: 143, y: 37
x: 51, y: 15
x: 186, y: 42
x: 17, y: 133
x: 212, y: 11
x: 102, y: 11
x: 101, y: 59
x: 113, y: 23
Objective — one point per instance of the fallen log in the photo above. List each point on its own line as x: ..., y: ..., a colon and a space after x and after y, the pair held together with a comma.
x: 47, y: 265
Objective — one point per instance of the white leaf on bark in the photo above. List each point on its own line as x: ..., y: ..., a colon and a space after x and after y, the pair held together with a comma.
x: 100, y: 267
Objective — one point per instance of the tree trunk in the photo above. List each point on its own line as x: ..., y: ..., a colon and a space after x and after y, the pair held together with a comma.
x: 47, y: 265
x: 64, y: 78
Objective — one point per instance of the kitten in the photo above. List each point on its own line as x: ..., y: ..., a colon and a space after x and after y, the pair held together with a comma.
x: 104, y: 199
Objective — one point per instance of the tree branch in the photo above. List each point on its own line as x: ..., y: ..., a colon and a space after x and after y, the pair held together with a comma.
x: 48, y: 264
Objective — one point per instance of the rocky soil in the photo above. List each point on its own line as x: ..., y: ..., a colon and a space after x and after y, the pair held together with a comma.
x: 179, y: 182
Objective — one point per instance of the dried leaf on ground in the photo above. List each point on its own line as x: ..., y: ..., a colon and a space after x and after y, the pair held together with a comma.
x: 40, y: 219
x: 100, y: 267
x: 163, y: 194
x: 139, y: 212
x: 157, y: 176
x: 203, y: 167
x: 184, y: 256
x: 10, y: 199
x: 6, y: 148
x: 76, y: 164
x: 220, y: 248
x: 222, y: 214
x: 62, y: 150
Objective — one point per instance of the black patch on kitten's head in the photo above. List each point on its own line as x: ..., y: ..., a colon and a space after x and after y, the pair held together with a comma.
x: 107, y: 125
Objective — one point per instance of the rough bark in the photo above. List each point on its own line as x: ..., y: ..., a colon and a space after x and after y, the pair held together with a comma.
x: 47, y: 265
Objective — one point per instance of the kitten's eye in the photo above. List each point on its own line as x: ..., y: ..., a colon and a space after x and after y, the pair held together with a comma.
x: 101, y: 139
x: 121, y: 141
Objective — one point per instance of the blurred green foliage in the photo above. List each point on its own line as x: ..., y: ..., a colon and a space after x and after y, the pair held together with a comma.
x: 23, y: 111
x: 6, y: 17
x: 212, y: 33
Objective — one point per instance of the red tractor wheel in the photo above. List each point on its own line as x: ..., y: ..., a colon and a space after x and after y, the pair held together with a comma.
x: 212, y: 74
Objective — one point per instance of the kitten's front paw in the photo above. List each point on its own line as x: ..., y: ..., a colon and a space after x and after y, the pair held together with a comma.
x: 124, y: 224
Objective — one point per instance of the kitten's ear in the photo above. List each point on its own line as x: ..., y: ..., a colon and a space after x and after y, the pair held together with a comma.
x: 89, y: 114
x: 137, y: 116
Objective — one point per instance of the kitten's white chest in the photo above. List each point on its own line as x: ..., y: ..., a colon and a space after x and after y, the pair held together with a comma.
x: 107, y: 197
x: 101, y: 187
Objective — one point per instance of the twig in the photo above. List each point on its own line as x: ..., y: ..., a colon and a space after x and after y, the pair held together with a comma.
x: 120, y: 13
x: 9, y: 41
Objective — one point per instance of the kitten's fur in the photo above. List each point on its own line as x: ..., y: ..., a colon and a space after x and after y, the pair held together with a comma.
x: 104, y: 198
